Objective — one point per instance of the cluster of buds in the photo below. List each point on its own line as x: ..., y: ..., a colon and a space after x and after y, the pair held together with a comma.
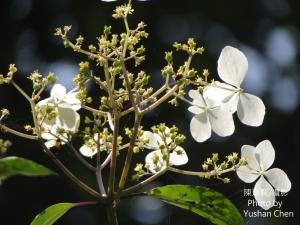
x: 39, y: 82
x: 184, y: 75
x: 170, y: 134
x: 217, y: 168
x: 141, y: 140
x: 4, y: 146
x: 122, y: 11
x: 8, y: 78
x: 80, y: 81
x: 140, y: 171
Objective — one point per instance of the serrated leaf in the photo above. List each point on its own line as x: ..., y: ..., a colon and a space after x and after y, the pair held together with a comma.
x: 11, y: 166
x: 52, y: 214
x: 200, y: 200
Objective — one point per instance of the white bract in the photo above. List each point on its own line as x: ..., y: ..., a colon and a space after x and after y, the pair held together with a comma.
x: 209, y: 115
x: 259, y: 160
x: 65, y: 105
x: 232, y: 68
x: 89, y: 149
x: 155, y: 160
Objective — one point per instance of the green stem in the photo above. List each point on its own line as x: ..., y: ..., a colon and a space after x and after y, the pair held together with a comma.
x: 202, y: 174
x: 112, y: 173
x: 99, y: 170
x: 21, y: 91
x: 125, y: 171
x: 112, y: 215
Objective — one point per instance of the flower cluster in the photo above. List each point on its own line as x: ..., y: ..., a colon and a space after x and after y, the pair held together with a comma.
x: 58, y: 115
x: 214, y: 108
x: 259, y: 160
x: 122, y: 92
x: 163, y: 142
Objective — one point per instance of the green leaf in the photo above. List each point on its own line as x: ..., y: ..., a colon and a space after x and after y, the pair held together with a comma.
x: 52, y: 214
x: 200, y: 200
x: 11, y: 166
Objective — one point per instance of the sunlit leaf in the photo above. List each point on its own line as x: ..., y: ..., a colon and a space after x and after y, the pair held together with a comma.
x: 52, y: 214
x: 200, y: 200
x: 11, y: 166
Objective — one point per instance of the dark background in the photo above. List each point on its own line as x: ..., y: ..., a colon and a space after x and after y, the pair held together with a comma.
x: 266, y: 31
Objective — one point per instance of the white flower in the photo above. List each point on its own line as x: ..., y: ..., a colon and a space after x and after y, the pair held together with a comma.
x: 155, y: 159
x: 232, y: 68
x: 259, y: 160
x: 90, y: 148
x: 65, y: 105
x: 209, y: 116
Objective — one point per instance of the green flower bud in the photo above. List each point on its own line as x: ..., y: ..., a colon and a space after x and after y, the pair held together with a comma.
x: 141, y: 50
x: 37, y: 86
x: 89, y: 100
x: 107, y: 30
x: 215, y: 157
x: 169, y: 56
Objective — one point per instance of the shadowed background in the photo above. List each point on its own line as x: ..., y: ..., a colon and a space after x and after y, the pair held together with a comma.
x: 266, y: 31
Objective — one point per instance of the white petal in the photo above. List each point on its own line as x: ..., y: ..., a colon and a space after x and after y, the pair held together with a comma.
x: 195, y: 109
x: 246, y: 174
x: 197, y: 97
x: 47, y: 101
x: 58, y: 92
x: 50, y: 143
x: 161, y: 164
x: 223, y: 93
x: 154, y: 139
x: 221, y: 121
x: 264, y: 193
x: 72, y: 100
x: 232, y: 66
x: 216, y: 93
x: 249, y: 153
x: 279, y: 179
x: 211, y: 103
x: 168, y: 139
x: 265, y: 154
x: 200, y: 127
x: 47, y: 136
x: 86, y: 151
x: 232, y: 103
x: 251, y: 110
x: 68, y: 119
x: 178, y: 157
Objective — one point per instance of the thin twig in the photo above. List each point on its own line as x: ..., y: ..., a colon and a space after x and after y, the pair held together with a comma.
x: 17, y: 133
x: 21, y: 91
x: 80, y: 158
x: 143, y: 183
x: 69, y: 174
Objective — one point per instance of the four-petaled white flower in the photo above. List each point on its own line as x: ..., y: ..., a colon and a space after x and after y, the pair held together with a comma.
x: 209, y: 115
x: 89, y: 149
x: 65, y: 105
x: 155, y: 160
x: 232, y: 68
x: 259, y: 160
